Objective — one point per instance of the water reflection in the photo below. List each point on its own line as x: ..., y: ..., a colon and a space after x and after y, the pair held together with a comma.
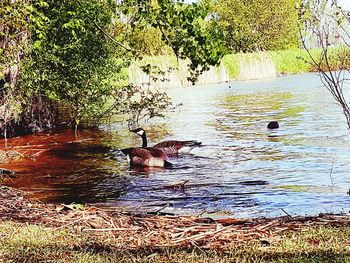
x: 69, y: 169
x: 242, y: 169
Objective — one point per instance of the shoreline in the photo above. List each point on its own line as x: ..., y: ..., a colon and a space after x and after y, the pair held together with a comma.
x: 136, y: 231
x: 33, y: 231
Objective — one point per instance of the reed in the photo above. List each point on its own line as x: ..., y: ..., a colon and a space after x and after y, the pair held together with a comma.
x: 292, y: 61
x: 257, y: 65
x: 175, y: 73
x: 240, y: 66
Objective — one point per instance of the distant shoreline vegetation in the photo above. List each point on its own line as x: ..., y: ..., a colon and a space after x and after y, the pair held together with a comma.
x: 239, y: 66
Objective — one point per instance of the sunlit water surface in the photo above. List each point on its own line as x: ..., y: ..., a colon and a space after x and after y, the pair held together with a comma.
x: 242, y: 170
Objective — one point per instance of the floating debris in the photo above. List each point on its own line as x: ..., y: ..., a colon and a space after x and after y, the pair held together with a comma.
x: 8, y: 155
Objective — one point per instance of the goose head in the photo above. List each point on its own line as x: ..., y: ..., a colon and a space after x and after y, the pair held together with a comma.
x: 141, y: 132
x: 138, y: 131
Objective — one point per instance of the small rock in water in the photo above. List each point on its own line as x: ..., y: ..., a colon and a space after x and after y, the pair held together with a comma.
x: 273, y: 125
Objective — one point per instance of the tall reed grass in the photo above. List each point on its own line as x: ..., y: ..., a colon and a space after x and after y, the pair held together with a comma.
x: 176, y: 73
x: 250, y: 66
x: 241, y: 66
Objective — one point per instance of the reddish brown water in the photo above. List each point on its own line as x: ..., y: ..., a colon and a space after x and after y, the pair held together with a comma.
x: 64, y: 168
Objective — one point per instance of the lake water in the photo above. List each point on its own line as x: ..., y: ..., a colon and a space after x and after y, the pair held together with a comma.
x: 242, y: 170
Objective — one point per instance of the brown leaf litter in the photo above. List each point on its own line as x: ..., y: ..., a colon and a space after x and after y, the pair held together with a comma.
x: 132, y: 230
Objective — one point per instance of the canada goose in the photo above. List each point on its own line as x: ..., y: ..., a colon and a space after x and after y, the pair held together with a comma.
x: 148, y: 156
x: 169, y: 147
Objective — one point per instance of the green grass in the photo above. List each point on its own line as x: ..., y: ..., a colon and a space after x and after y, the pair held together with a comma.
x: 30, y: 243
x: 292, y: 61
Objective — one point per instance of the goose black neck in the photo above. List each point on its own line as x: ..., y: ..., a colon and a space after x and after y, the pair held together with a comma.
x: 144, y: 140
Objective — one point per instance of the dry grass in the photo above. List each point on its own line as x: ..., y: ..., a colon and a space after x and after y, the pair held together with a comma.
x: 31, y: 231
x: 19, y: 243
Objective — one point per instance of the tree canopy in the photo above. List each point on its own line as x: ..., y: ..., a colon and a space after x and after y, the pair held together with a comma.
x: 62, y: 61
x: 185, y: 28
x: 257, y: 24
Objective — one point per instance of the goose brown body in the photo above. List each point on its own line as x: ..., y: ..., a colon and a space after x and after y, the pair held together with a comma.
x: 171, y: 147
x: 148, y: 156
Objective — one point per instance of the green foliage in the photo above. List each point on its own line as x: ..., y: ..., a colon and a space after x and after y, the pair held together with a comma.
x: 71, y: 60
x: 148, y: 41
x: 139, y: 103
x: 14, y: 46
x: 144, y: 40
x: 13, y: 34
x: 258, y: 24
x: 184, y: 28
x: 68, y: 58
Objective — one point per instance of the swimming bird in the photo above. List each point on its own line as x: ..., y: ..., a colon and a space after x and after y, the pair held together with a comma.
x: 273, y: 125
x: 169, y: 147
x: 147, y: 156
